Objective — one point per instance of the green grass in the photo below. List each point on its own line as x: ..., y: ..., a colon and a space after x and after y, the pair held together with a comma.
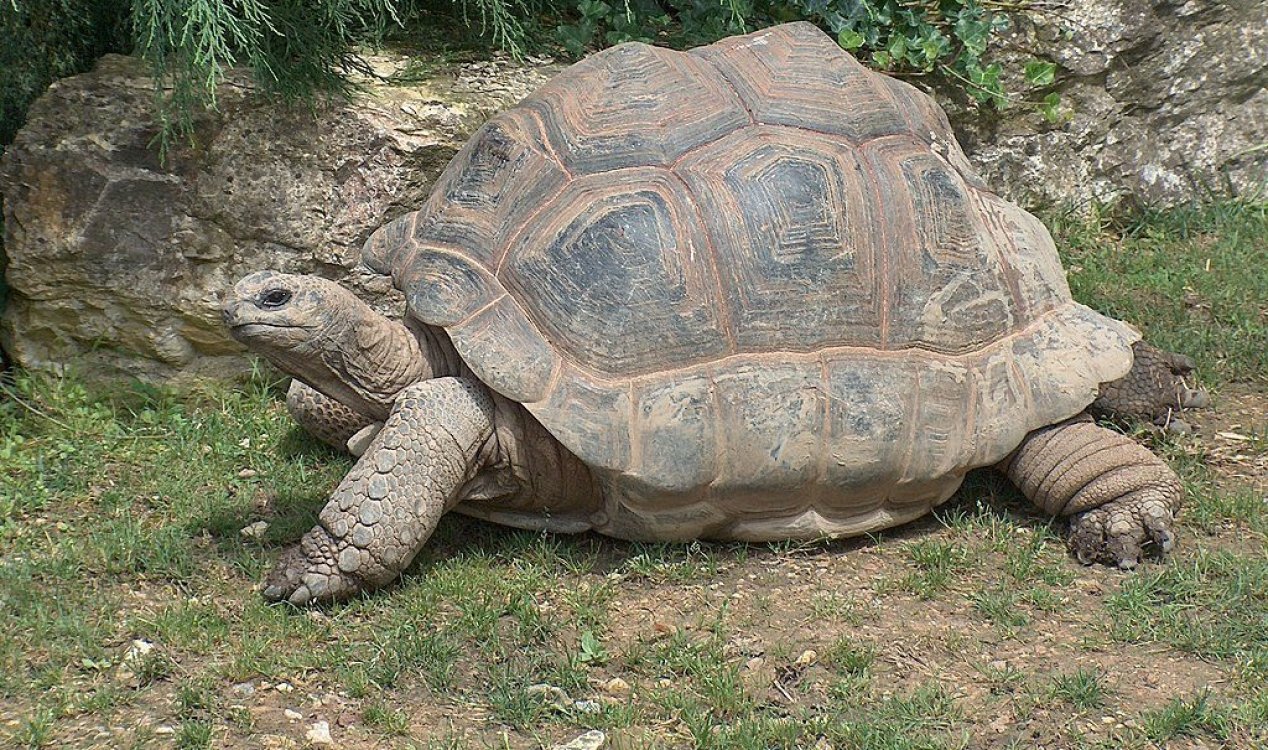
x: 1195, y: 280
x: 1082, y: 688
x: 120, y: 519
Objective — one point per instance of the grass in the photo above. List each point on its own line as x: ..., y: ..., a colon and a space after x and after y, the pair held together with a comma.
x: 120, y: 519
x: 1193, y: 279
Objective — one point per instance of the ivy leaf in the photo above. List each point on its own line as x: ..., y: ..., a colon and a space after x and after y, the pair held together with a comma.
x: 1040, y: 73
x: 973, y: 33
x: 897, y: 47
x: 933, y: 45
x: 850, y: 39
x: 1051, y: 107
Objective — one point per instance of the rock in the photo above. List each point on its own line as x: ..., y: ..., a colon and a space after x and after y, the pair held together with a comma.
x: 164, y: 729
x: 592, y: 740
x: 1178, y: 427
x: 243, y: 690
x: 319, y: 735
x: 292, y: 714
x: 1162, y: 103
x: 138, y: 650
x: 588, y: 706
x: 616, y: 686
x: 116, y: 262
x: 254, y: 531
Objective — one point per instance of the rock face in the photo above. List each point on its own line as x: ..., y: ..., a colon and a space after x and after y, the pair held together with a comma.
x: 1163, y: 101
x: 116, y: 262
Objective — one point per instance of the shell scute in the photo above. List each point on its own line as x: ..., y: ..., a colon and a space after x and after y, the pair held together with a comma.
x: 491, y: 187
x: 676, y: 434
x: 792, y: 219
x: 506, y: 351
x: 445, y: 288
x: 948, y: 287
x: 794, y: 75
x: 634, y: 105
x: 615, y: 273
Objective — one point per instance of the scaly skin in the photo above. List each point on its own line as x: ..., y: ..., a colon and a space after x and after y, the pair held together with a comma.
x: 390, y: 503
x: 1154, y: 389
x: 1120, y: 496
x: 324, y: 418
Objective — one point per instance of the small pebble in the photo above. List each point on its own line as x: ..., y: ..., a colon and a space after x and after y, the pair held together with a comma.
x: 616, y: 686
x: 248, y: 473
x: 243, y: 689
x: 592, y: 740
x: 319, y: 734
x: 807, y: 658
x: 292, y: 714
x: 138, y: 649
x: 254, y: 531
x: 164, y: 729
x: 588, y: 707
x: 284, y: 687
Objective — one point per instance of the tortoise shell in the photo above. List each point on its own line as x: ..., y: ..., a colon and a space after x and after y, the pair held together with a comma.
x: 751, y: 267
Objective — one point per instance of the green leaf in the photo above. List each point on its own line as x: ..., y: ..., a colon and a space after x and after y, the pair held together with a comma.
x: 1051, y: 107
x: 897, y: 47
x: 1040, y: 73
x: 850, y: 39
x: 590, y: 649
x: 934, y: 44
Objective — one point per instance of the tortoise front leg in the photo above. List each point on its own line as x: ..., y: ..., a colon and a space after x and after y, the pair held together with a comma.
x: 390, y: 503
x: 321, y: 416
x: 1120, y: 496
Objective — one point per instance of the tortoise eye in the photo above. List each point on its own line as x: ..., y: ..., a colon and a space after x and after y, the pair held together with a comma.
x: 274, y: 298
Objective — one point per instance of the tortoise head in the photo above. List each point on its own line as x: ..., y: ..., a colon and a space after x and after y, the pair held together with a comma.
x: 288, y: 318
x: 317, y: 331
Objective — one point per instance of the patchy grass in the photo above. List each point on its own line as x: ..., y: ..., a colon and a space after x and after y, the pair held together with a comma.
x: 1193, y: 279
x: 130, y: 617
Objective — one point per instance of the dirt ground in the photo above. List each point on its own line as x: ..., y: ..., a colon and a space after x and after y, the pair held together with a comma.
x: 971, y: 628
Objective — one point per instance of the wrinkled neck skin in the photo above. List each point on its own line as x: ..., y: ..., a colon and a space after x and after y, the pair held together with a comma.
x: 363, y: 359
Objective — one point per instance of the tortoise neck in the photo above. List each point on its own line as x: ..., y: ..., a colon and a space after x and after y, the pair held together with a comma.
x: 364, y: 360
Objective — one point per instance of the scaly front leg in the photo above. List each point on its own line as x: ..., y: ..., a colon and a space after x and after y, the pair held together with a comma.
x: 389, y: 504
x: 326, y: 419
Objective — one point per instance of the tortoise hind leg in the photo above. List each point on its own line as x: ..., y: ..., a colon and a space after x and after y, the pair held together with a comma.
x: 1120, y: 496
x: 390, y: 502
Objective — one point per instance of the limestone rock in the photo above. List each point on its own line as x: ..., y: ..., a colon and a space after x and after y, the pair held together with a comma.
x: 117, y: 261
x: 1163, y: 102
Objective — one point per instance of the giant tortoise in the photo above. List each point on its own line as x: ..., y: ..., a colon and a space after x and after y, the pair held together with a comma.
x: 751, y: 291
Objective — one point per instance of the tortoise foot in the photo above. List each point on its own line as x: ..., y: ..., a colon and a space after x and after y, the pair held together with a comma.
x: 309, y: 572
x: 1119, y: 532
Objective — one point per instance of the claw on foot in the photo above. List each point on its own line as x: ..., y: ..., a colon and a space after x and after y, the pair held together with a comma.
x: 309, y: 572
x: 1119, y: 532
